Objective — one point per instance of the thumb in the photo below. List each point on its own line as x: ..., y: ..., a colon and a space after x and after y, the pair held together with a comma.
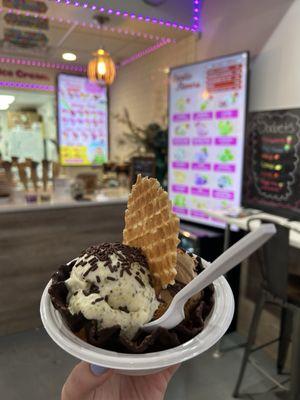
x: 82, y: 382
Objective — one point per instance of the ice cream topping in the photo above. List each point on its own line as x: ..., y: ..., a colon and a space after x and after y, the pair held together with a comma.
x: 111, y: 283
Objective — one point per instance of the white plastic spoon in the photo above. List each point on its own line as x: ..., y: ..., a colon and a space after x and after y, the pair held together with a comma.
x: 226, y: 261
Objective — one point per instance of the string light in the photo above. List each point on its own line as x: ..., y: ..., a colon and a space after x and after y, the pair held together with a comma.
x: 43, y: 64
x: 24, y: 85
x: 197, y: 6
x: 145, y: 52
x: 193, y: 27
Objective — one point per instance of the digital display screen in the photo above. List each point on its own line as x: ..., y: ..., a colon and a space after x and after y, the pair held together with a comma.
x: 82, y: 121
x: 272, y: 163
x: 207, y: 111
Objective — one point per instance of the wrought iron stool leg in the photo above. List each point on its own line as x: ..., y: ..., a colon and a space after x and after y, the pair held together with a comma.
x: 285, y: 337
x: 251, y: 339
x: 218, y: 351
x: 295, y: 367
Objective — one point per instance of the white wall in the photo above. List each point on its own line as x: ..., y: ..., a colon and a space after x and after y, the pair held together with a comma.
x: 142, y: 88
x: 233, y: 25
x: 228, y: 26
x: 275, y: 75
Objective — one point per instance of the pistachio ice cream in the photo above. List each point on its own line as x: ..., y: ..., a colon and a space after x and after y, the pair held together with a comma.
x: 111, y: 283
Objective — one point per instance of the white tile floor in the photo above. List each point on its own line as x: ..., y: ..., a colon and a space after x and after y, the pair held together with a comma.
x: 32, y: 367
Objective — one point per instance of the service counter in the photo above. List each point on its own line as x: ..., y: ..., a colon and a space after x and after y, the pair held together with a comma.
x: 36, y: 239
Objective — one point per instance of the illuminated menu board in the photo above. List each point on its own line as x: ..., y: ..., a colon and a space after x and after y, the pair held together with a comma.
x: 272, y: 167
x: 207, y: 111
x: 82, y: 121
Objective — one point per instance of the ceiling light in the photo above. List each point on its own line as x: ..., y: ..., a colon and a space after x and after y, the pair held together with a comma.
x: 4, y: 107
x: 69, y: 56
x: 6, y: 99
x: 102, y: 68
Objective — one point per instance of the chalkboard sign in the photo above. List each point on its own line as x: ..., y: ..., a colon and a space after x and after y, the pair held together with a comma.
x: 272, y: 167
x: 142, y: 165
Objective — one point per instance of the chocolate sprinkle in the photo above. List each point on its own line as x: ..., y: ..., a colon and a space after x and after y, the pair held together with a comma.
x: 81, y: 263
x: 139, y: 281
x: 128, y: 271
x: 125, y: 309
x: 98, y: 279
x: 97, y: 300
x: 94, y: 289
x: 111, y: 278
x: 126, y: 255
x: 91, y: 269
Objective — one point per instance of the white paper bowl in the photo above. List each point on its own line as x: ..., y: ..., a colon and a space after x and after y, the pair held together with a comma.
x: 142, y: 364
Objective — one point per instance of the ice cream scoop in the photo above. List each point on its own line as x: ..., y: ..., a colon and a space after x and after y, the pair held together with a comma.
x: 111, y: 283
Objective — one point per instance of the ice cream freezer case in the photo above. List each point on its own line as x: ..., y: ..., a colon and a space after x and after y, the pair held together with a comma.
x: 35, y: 241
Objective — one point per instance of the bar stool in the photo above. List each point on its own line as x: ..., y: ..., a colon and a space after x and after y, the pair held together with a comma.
x: 279, y: 289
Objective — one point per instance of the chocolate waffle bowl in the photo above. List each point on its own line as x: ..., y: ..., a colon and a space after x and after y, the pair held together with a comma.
x: 208, y: 321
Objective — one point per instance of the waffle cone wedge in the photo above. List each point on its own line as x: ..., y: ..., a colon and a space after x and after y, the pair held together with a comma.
x: 151, y: 225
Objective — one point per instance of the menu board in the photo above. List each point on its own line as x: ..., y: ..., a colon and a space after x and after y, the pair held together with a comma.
x: 272, y: 168
x: 82, y: 121
x: 207, y: 110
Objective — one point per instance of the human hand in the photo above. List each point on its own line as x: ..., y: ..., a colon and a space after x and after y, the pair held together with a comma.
x: 102, y: 384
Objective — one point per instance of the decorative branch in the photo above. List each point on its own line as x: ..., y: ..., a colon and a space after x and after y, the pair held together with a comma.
x: 143, y: 138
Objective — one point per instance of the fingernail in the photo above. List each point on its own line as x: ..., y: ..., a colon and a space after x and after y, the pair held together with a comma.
x: 97, y: 369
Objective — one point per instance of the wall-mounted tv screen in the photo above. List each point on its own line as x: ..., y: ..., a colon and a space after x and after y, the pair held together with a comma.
x: 82, y: 121
x: 272, y: 162
x: 207, y: 113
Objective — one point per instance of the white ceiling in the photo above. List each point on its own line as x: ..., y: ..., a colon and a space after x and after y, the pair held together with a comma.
x: 84, y: 41
x: 175, y: 10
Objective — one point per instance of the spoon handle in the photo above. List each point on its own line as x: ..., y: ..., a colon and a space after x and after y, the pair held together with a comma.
x: 226, y: 261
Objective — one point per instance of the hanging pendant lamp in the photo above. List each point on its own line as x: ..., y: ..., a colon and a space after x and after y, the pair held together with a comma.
x: 102, y: 68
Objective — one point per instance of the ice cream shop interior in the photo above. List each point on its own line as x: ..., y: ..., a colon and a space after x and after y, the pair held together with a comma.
x: 149, y: 199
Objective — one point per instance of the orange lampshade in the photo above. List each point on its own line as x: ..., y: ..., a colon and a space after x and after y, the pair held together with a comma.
x: 102, y: 68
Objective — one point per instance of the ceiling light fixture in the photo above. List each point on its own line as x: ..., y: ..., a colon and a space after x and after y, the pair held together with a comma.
x: 6, y: 99
x: 102, y: 68
x: 69, y: 56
